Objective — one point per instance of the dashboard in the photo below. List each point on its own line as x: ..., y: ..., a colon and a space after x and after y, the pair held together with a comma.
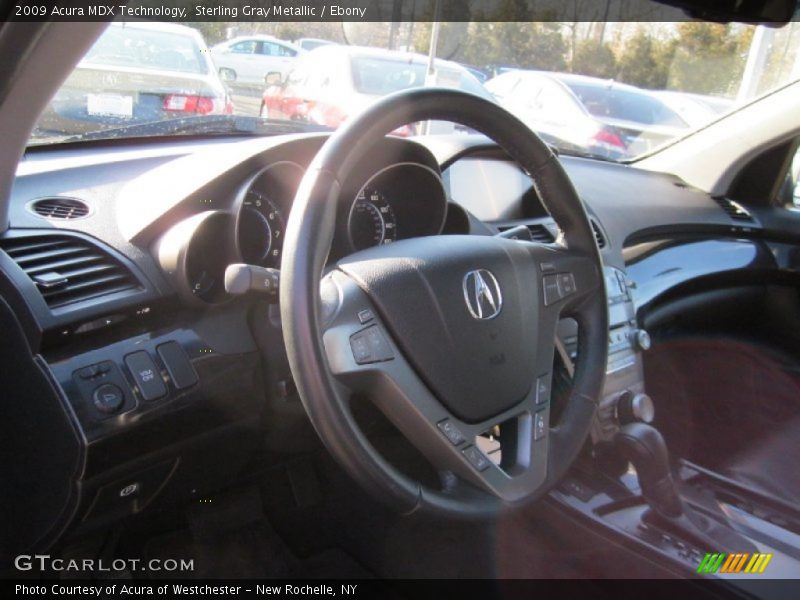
x: 244, y: 214
x: 113, y: 273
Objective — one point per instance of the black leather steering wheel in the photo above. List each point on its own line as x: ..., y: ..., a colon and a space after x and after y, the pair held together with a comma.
x: 462, y: 328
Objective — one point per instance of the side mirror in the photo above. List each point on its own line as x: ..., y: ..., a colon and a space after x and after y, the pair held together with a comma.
x: 273, y: 78
x: 227, y: 75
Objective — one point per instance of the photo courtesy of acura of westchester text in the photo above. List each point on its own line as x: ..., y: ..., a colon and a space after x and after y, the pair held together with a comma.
x: 400, y: 297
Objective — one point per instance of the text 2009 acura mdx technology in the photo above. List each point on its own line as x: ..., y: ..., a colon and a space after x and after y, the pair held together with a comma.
x: 236, y: 346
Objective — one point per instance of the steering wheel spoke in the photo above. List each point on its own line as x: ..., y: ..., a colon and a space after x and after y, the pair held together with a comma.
x: 570, y: 278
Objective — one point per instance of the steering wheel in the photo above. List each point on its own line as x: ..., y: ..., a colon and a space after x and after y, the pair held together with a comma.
x: 451, y: 335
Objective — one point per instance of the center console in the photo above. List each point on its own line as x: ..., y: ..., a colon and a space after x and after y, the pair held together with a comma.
x: 677, y: 513
x: 623, y: 399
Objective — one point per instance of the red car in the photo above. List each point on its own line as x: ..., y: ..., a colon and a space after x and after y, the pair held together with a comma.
x: 331, y: 83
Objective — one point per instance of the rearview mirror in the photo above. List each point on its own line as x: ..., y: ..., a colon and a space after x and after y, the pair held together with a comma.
x: 273, y: 78
x: 777, y: 12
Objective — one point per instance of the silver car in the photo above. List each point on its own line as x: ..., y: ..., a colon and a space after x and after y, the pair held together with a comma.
x: 137, y: 73
x: 248, y: 59
x: 600, y: 116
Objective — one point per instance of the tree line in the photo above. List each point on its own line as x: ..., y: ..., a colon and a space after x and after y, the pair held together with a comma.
x: 691, y: 56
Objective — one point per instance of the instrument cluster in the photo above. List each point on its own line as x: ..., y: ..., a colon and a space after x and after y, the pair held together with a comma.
x: 378, y: 205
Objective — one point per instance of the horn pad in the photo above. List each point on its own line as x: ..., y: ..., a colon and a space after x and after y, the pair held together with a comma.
x: 463, y: 309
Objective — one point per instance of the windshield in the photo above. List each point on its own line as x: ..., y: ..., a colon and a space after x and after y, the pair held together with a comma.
x: 615, y: 90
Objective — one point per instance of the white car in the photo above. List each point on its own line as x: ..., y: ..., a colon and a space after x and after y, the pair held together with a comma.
x: 248, y: 59
x: 695, y: 109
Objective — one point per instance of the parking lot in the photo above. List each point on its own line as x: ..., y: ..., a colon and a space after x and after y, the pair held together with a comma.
x: 246, y: 100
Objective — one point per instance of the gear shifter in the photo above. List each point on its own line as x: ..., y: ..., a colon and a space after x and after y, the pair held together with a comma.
x: 643, y: 446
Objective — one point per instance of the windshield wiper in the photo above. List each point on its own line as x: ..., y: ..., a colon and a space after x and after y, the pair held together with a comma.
x: 200, y: 125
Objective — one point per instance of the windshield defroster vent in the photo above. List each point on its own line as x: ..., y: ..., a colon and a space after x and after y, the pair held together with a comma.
x: 68, y: 269
x: 60, y: 208
x: 735, y: 211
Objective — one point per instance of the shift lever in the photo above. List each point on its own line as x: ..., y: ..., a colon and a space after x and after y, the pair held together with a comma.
x: 643, y: 446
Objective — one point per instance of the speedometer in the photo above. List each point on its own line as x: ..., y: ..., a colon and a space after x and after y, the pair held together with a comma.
x: 260, y: 230
x: 372, y: 220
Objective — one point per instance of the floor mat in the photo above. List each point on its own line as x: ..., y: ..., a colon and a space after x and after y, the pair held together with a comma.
x: 229, y: 537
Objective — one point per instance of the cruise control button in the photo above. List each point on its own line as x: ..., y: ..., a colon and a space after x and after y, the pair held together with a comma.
x: 450, y: 431
x: 542, y: 389
x: 108, y: 398
x: 476, y: 458
x: 146, y: 375
x: 369, y: 345
x: 551, y: 292
x: 539, y: 426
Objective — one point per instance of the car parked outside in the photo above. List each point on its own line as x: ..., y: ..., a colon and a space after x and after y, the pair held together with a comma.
x: 331, y: 83
x: 695, y: 109
x: 307, y: 44
x: 248, y: 59
x: 601, y: 116
x: 137, y: 73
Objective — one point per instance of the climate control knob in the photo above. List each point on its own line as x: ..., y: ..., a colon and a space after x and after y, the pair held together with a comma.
x: 635, y: 408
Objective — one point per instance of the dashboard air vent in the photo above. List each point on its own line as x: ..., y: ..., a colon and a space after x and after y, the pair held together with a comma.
x: 598, y: 235
x: 68, y: 269
x: 539, y: 233
x: 60, y: 208
x: 735, y: 210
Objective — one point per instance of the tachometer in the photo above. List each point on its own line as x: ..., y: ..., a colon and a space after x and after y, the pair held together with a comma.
x: 372, y: 220
x: 260, y: 230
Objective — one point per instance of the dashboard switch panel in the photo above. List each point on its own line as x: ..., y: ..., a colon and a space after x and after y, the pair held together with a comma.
x: 146, y: 375
x: 178, y: 365
x: 104, y: 390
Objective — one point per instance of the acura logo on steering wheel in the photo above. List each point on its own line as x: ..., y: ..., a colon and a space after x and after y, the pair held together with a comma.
x: 482, y: 294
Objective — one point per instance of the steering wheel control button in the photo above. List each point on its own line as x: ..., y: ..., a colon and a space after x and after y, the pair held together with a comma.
x: 451, y: 432
x: 365, y: 316
x: 108, y: 398
x: 146, y: 375
x: 539, y: 426
x: 542, y: 389
x: 476, y: 458
x: 179, y: 367
x: 566, y: 284
x: 369, y: 346
x: 551, y: 292
x: 547, y: 267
